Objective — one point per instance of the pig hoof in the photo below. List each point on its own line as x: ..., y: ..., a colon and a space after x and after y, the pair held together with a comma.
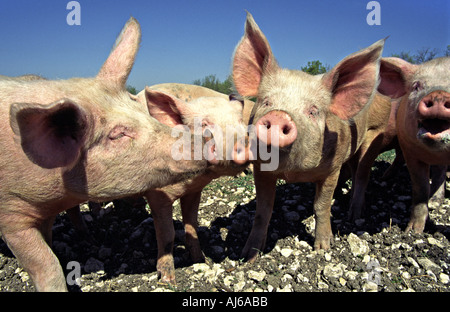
x: 250, y: 254
x: 195, y: 252
x: 198, y: 258
x: 166, y: 272
x: 416, y: 226
x: 322, y: 244
x: 253, y: 247
x: 167, y: 279
x: 252, y: 259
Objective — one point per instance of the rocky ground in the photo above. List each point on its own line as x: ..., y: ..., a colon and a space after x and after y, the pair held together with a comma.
x: 372, y: 254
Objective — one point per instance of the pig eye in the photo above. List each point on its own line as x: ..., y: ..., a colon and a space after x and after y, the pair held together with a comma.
x: 119, y: 132
x: 206, y: 123
x: 117, y: 136
x: 265, y: 103
x: 313, y: 112
x: 417, y: 86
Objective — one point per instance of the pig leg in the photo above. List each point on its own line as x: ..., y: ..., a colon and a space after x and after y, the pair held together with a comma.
x: 46, y: 229
x: 322, y: 210
x: 265, y: 184
x: 32, y: 251
x: 80, y: 225
x: 419, y: 173
x: 75, y: 216
x: 437, y: 192
x: 189, y: 208
x: 360, y: 179
x: 77, y: 219
x: 396, y: 165
x: 161, y: 207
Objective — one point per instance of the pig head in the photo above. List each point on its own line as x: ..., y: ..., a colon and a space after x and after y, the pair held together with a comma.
x: 217, y: 117
x: 423, y: 124
x: 74, y: 140
x: 314, y: 123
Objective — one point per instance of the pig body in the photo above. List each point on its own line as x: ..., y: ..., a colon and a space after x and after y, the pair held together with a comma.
x: 75, y: 140
x: 423, y: 125
x: 322, y: 121
x: 216, y: 109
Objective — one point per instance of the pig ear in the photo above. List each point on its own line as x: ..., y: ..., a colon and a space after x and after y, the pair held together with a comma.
x: 394, y: 73
x: 252, y: 58
x: 353, y: 81
x: 165, y: 108
x: 118, y: 65
x: 51, y: 135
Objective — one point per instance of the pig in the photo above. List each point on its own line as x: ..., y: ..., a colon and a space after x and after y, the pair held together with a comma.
x: 215, y: 109
x: 70, y: 141
x: 315, y: 122
x: 423, y: 125
x: 381, y: 136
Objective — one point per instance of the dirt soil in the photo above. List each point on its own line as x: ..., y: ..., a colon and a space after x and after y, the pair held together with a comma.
x: 371, y: 254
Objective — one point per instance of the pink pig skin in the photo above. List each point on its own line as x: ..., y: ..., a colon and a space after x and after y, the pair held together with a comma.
x: 423, y: 126
x: 216, y: 109
x: 70, y: 141
x: 329, y: 113
x: 165, y: 102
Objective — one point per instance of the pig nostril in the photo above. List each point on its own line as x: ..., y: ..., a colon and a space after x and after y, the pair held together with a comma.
x: 286, y: 130
x: 267, y: 124
x: 429, y: 104
x: 447, y: 104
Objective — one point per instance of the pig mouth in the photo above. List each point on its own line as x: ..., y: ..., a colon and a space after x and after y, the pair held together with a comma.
x: 434, y: 130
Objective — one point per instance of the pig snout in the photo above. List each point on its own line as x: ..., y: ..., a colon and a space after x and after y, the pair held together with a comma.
x: 276, y: 128
x: 433, y: 113
x: 435, y: 105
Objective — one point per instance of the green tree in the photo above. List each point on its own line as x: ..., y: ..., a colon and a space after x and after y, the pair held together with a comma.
x: 425, y: 54
x: 422, y: 55
x: 314, y: 68
x: 405, y: 56
x: 212, y: 82
x: 131, y: 89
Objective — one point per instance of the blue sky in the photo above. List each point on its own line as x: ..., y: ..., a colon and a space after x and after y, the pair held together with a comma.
x: 187, y: 40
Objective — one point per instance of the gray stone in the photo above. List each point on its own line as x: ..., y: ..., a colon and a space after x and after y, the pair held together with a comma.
x: 334, y: 270
x: 357, y: 245
x: 256, y: 275
x: 427, y: 264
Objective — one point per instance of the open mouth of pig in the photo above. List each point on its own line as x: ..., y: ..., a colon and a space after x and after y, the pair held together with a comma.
x: 434, y: 130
